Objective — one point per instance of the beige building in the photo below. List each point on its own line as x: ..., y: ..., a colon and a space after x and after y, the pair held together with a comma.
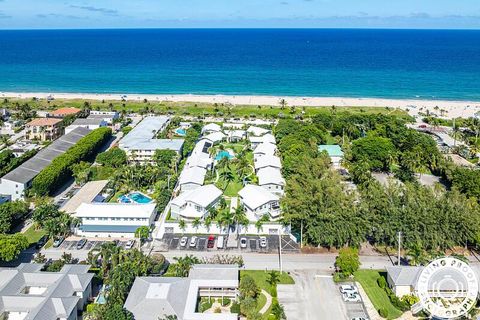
x: 44, y: 129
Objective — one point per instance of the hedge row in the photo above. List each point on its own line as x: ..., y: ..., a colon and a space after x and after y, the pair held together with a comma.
x: 59, y: 170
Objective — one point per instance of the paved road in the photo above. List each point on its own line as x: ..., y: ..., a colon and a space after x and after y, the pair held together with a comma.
x: 314, y: 296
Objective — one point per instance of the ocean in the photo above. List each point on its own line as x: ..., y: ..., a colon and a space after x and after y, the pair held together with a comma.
x: 423, y: 64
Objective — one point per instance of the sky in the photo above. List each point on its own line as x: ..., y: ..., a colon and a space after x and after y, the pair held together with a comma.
x: 65, y: 14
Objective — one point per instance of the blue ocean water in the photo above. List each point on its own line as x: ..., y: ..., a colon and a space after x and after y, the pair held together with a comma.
x: 425, y: 64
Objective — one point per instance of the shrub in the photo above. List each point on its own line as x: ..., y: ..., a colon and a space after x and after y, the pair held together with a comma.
x: 60, y: 169
x: 217, y: 310
x: 225, y: 301
x: 273, y: 291
x: 410, y: 299
x: 235, y: 308
x: 383, y: 313
x: 382, y: 283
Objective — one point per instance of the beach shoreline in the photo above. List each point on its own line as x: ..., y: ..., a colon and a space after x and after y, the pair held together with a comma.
x: 452, y: 109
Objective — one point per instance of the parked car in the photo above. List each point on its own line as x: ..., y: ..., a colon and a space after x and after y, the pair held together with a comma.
x: 130, y: 244
x: 57, y: 242
x: 193, y: 242
x: 220, y: 242
x: 183, y: 241
x: 211, y: 242
x: 348, y: 288
x: 41, y: 242
x: 243, y: 243
x: 263, y: 242
x: 81, y: 243
x: 359, y: 318
x: 351, y: 297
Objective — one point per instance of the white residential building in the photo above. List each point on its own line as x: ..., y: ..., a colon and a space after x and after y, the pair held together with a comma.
x: 214, y: 137
x: 200, y: 156
x: 191, y: 178
x: 257, y: 131
x: 235, y: 135
x: 267, y: 138
x: 210, y: 128
x: 258, y: 202
x: 153, y: 298
x: 107, y: 116
x: 113, y: 219
x: 140, y: 144
x: 267, y: 161
x: 28, y: 293
x: 265, y: 149
x: 272, y: 180
x: 19, y: 179
x: 195, y: 203
x: 87, y: 123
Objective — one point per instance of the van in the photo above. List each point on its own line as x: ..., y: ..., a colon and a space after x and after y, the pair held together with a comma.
x: 220, y: 241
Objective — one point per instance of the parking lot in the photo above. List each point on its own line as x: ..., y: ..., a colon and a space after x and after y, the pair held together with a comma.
x: 91, y: 244
x: 172, y: 241
x: 354, y: 309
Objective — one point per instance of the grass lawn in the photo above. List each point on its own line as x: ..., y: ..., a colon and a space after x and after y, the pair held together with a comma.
x: 260, y: 277
x: 378, y: 296
x: 199, y: 108
x: 33, y: 235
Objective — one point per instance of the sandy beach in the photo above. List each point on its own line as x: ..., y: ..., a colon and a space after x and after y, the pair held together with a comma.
x: 452, y: 109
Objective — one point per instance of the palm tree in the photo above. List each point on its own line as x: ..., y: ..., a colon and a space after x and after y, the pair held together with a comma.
x: 182, y: 225
x: 226, y: 219
x: 240, y: 218
x: 282, y: 103
x: 227, y: 176
x: 208, y: 222
x: 184, y: 264
x: 196, y: 223
x: 273, y: 278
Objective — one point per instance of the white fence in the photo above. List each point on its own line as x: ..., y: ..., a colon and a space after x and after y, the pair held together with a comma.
x: 268, y: 228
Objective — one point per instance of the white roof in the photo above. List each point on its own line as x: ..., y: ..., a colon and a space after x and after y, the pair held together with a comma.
x: 268, y: 161
x: 257, y: 131
x: 233, y: 125
x: 255, y: 196
x: 270, y: 175
x: 202, y: 196
x: 192, y: 175
x: 265, y: 148
x: 235, y: 133
x: 198, y: 160
x: 268, y: 138
x: 142, y: 137
x: 116, y: 210
x: 214, y: 137
x: 211, y: 127
x: 85, y: 195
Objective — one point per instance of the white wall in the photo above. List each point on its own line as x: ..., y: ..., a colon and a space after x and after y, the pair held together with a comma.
x: 12, y: 188
x: 189, y: 186
x: 274, y: 188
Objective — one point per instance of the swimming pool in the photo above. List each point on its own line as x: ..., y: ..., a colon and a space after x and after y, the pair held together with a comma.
x: 134, y: 197
x: 223, y: 154
x: 139, y: 197
x: 180, y: 132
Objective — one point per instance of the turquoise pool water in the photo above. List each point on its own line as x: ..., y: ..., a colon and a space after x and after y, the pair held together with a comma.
x: 181, y: 132
x: 223, y: 154
x: 139, y: 198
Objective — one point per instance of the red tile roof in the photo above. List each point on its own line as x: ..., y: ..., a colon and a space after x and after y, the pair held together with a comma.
x: 64, y: 111
x: 44, y: 122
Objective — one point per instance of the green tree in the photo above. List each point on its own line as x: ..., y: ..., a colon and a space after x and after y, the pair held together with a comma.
x: 184, y: 264
x: 376, y: 151
x: 115, y: 157
x: 142, y: 233
x: 273, y: 278
x: 12, y: 245
x: 81, y: 172
x: 9, y: 212
x: 278, y: 311
x: 248, y: 287
x: 347, y: 261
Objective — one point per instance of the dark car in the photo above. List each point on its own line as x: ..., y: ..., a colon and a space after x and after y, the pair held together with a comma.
x: 211, y: 242
x: 81, y: 243
x: 41, y: 242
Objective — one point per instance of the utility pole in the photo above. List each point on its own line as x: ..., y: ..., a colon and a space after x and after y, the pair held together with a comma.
x: 399, y: 245
x: 280, y: 251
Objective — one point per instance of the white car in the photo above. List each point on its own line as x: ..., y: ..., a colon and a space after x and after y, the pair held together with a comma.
x: 348, y: 297
x: 348, y: 288
x: 193, y: 242
x: 183, y: 241
x: 130, y: 244
x: 243, y: 242
x: 263, y: 242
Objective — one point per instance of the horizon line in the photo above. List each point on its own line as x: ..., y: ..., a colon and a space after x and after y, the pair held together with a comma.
x: 239, y: 28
